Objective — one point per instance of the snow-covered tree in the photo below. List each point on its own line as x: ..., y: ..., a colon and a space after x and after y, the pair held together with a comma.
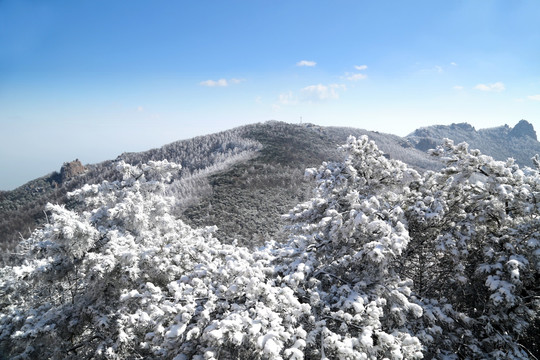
x: 382, y: 263
x: 124, y: 279
x: 474, y: 254
x: 459, y: 246
x: 344, y: 257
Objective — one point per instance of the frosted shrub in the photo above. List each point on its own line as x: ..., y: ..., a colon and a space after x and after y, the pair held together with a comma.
x: 475, y: 254
x: 382, y: 263
x: 124, y: 279
x: 348, y: 241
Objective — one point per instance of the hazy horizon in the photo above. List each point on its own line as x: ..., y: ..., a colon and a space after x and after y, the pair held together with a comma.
x: 91, y: 80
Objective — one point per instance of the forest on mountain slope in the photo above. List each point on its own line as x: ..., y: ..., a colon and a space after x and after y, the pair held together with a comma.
x: 251, y: 172
x: 379, y: 261
x: 255, y: 171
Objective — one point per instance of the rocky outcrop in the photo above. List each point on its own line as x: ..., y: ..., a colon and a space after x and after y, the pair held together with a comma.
x: 71, y: 169
x: 522, y: 129
x: 425, y: 144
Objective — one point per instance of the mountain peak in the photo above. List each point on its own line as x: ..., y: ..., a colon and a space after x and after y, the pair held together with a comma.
x: 523, y: 128
x: 463, y: 126
x: 71, y: 169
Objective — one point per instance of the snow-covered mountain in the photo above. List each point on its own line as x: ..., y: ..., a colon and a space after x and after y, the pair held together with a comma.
x: 502, y: 142
x: 380, y: 259
x: 243, y: 179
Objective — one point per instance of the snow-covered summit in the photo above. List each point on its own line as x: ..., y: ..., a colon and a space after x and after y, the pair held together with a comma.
x: 501, y: 142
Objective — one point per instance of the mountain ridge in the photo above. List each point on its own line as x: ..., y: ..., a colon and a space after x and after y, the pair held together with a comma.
x: 501, y: 142
x: 243, y: 179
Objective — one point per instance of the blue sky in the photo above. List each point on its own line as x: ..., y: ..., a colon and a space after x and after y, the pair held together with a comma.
x: 93, y: 79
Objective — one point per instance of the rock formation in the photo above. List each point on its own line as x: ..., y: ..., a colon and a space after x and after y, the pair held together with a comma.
x: 523, y: 128
x: 71, y: 169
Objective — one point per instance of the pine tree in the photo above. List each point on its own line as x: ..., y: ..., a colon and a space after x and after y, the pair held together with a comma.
x: 474, y: 254
x: 382, y: 262
x: 125, y: 279
x: 345, y: 254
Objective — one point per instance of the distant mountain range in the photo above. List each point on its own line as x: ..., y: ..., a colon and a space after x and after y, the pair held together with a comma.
x: 243, y: 179
x: 501, y: 143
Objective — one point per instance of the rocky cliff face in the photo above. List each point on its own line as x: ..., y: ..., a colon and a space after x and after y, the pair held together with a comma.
x: 523, y: 128
x: 71, y: 169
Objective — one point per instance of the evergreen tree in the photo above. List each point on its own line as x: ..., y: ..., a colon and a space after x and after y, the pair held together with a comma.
x: 474, y: 254
x: 345, y: 256
x: 382, y: 263
x: 124, y: 279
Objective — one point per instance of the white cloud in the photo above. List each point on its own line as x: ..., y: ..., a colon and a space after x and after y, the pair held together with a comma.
x: 221, y: 82
x: 237, y: 81
x: 355, y: 77
x: 140, y: 109
x: 284, y: 99
x: 287, y: 98
x: 458, y: 87
x: 453, y: 63
x: 534, y: 97
x: 258, y: 99
x: 214, y: 83
x: 309, y: 94
x: 495, y: 87
x: 306, y: 63
x: 438, y: 68
x: 320, y: 92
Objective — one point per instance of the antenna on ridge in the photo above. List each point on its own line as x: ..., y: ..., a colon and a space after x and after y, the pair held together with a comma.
x: 300, y: 119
